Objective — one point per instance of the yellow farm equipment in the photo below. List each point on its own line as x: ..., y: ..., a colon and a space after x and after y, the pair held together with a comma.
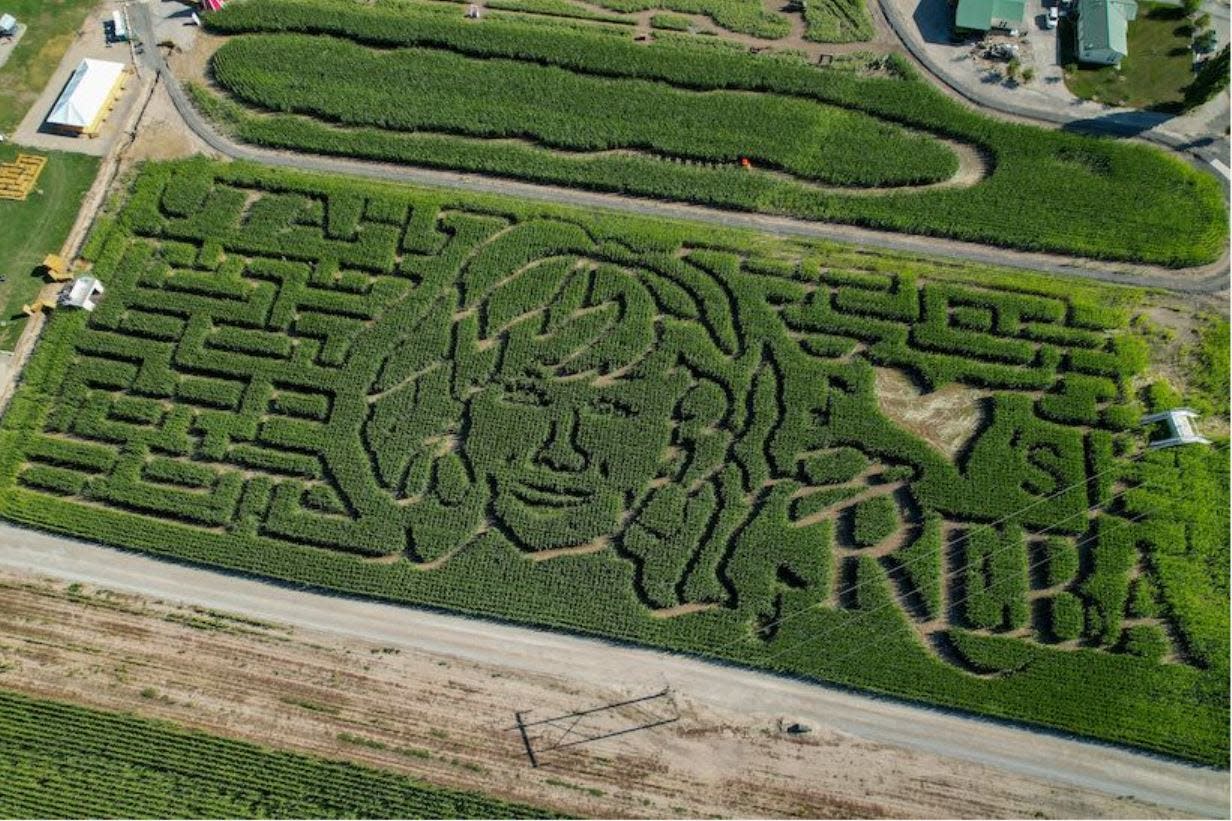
x: 56, y: 268
x: 38, y: 306
x: 47, y: 298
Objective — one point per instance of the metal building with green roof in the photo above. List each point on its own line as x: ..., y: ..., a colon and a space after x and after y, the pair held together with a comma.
x: 1103, y: 30
x: 982, y: 15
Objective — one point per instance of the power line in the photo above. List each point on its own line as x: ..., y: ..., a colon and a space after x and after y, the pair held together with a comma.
x: 873, y: 640
x: 966, y: 536
x: 961, y: 568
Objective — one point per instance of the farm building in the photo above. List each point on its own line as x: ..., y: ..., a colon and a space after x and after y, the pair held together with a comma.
x: 985, y: 15
x: 119, y: 29
x: 82, y: 293
x: 1180, y: 428
x: 87, y: 97
x: 1103, y: 30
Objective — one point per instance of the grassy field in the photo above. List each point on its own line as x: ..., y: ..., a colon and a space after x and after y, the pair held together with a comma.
x: 52, y: 24
x: 1153, y: 76
x: 818, y: 138
x: 63, y: 761
x: 35, y: 227
x: 638, y: 429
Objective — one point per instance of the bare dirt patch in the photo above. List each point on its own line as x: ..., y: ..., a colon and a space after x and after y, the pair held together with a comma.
x: 451, y: 721
x: 1173, y: 329
x: 946, y: 418
x: 192, y: 63
x: 162, y: 135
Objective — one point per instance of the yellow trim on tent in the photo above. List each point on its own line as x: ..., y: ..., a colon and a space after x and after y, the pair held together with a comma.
x: 104, y: 110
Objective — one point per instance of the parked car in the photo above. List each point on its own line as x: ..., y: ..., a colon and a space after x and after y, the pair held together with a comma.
x: 1054, y: 15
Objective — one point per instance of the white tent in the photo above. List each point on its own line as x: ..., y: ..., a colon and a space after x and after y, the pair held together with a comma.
x: 89, y: 91
x: 8, y: 24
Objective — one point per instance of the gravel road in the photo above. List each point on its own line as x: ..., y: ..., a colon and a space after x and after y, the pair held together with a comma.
x: 1064, y: 761
x: 1206, y: 279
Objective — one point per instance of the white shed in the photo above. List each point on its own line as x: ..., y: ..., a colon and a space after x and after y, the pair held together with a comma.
x: 1180, y: 427
x: 82, y: 292
x: 119, y: 30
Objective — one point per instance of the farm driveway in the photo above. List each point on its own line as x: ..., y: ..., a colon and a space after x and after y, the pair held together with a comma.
x: 89, y: 43
x: 1045, y: 757
x: 1207, y: 279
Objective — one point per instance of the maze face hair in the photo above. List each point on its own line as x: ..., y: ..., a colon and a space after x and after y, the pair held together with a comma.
x: 561, y: 405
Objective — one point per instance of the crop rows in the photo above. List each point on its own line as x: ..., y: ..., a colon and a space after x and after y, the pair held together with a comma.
x: 356, y: 86
x: 63, y: 761
x: 294, y: 376
x: 838, y: 21
x: 741, y: 16
x: 1046, y: 190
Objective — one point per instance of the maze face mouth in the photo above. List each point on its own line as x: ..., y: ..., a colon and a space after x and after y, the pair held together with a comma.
x: 545, y: 495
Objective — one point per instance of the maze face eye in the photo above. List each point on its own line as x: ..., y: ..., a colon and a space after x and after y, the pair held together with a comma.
x: 607, y: 406
x: 517, y: 394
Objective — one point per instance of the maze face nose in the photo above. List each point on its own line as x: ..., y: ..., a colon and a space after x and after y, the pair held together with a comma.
x: 559, y: 451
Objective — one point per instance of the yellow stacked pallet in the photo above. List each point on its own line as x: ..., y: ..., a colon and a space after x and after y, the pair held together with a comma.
x: 17, y: 178
x: 106, y: 108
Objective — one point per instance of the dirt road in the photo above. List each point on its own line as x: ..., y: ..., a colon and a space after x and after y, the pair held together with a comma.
x: 1056, y: 766
x: 1206, y: 279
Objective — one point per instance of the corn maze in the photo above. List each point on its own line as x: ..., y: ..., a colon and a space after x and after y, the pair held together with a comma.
x: 838, y: 21
x: 587, y: 106
x: 625, y: 428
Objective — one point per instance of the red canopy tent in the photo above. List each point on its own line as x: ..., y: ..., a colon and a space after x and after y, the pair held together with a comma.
x: 212, y: 5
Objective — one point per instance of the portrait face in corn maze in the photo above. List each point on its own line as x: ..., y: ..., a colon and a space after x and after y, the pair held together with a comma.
x: 574, y: 402
x: 567, y: 413
x: 635, y: 429
x: 545, y: 413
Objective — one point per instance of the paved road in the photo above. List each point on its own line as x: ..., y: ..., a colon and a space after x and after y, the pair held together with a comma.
x: 1207, y: 279
x: 1203, y: 153
x: 1060, y: 761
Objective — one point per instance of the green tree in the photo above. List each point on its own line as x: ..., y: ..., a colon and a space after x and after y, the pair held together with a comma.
x: 1211, y: 79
